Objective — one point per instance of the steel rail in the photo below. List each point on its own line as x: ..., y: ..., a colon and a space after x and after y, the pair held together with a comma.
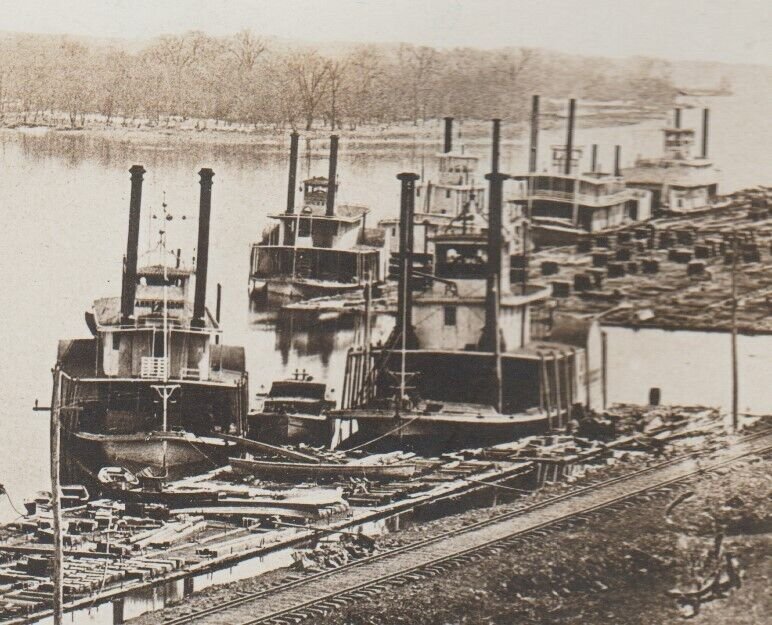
x: 275, y: 617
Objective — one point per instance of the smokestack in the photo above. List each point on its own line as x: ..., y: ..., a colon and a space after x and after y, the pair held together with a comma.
x: 129, y: 284
x: 495, y: 148
x: 533, y: 161
x: 490, y: 338
x: 617, y: 160
x: 705, y: 126
x: 293, y: 171
x: 202, y: 250
x: 594, y: 163
x: 403, y: 333
x: 570, y: 137
x: 448, y: 146
x: 332, y: 176
x: 677, y: 120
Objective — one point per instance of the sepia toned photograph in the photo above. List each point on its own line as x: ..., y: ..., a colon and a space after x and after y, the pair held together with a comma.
x: 381, y: 312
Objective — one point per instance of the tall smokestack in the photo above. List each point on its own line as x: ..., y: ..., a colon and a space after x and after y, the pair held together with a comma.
x: 495, y: 146
x: 448, y: 145
x: 293, y: 172
x: 129, y: 283
x: 705, y: 127
x: 594, y: 163
x: 202, y: 250
x: 533, y: 160
x: 403, y: 333
x: 677, y: 120
x: 570, y: 137
x: 617, y: 160
x: 495, y: 179
x: 332, y: 176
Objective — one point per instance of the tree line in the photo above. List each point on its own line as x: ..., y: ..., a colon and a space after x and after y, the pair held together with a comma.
x: 248, y: 79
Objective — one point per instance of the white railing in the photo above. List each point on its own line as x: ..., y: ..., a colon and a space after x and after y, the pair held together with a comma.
x: 154, y: 368
x: 579, y: 198
x: 190, y: 373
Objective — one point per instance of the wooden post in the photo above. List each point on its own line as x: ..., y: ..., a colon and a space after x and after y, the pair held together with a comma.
x: 604, y: 364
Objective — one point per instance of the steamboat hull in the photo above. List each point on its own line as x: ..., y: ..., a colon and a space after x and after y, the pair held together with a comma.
x: 289, y: 428
x: 282, y: 292
x: 419, y: 432
x: 136, y: 452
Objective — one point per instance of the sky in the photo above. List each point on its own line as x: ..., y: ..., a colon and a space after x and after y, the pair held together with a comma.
x: 734, y: 31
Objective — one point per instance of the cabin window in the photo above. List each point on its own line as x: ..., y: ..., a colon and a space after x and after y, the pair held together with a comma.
x: 393, y: 232
x: 304, y: 228
x: 447, y: 193
x: 116, y: 341
x: 418, y: 191
x: 450, y: 315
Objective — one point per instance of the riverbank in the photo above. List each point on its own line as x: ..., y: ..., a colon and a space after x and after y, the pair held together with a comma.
x: 366, y: 137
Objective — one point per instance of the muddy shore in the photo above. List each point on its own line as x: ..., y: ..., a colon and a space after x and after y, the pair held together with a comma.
x: 603, y: 572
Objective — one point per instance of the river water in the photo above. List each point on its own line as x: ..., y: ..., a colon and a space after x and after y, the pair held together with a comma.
x: 63, y: 233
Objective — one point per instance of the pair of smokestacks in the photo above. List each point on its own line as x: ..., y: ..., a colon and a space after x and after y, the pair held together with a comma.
x: 403, y: 330
x: 568, y: 164
x: 129, y: 282
x: 331, y: 175
x: 705, y: 128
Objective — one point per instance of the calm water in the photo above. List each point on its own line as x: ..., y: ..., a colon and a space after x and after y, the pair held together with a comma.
x: 63, y: 234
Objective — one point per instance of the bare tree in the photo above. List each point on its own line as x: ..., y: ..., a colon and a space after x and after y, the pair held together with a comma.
x: 417, y: 66
x: 311, y: 77
x: 336, y: 81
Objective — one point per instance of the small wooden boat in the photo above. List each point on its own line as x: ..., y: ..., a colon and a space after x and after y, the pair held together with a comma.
x: 302, y: 470
x: 117, y: 477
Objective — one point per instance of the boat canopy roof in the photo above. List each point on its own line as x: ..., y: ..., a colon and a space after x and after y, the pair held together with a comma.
x: 349, y: 213
x: 148, y: 313
x: 297, y: 389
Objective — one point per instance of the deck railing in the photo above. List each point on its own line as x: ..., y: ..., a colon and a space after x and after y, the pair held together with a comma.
x: 153, y: 368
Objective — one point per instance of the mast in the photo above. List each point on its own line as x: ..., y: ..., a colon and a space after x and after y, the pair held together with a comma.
x: 56, y: 508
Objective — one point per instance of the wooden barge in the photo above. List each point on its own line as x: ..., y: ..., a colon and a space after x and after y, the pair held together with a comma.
x: 673, y: 273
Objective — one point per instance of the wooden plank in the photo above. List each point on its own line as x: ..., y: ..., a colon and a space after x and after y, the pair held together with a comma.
x: 252, y: 445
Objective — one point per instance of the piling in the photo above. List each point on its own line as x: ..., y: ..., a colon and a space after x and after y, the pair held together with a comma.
x: 705, y: 124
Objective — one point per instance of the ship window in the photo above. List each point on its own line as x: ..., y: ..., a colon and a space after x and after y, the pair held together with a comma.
x: 447, y: 193
x: 418, y: 191
x: 116, y: 340
x: 393, y: 232
x: 304, y: 228
x: 450, y: 315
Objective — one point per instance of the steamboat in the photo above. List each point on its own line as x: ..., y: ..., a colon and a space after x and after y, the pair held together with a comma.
x: 566, y: 205
x: 319, y: 250
x: 460, y: 368
x: 293, y: 412
x: 153, y: 387
x: 455, y: 202
x: 680, y: 183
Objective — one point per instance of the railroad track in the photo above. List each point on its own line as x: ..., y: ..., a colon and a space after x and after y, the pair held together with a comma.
x: 329, y: 590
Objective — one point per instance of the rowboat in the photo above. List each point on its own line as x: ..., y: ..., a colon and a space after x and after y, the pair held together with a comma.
x: 303, y: 470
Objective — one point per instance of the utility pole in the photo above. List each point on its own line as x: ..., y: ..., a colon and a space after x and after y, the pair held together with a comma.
x: 735, y: 376
x: 56, y: 507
